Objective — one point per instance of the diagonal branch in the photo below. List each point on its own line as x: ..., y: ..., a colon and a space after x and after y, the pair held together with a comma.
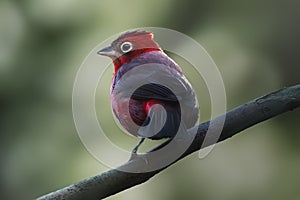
x: 237, y: 120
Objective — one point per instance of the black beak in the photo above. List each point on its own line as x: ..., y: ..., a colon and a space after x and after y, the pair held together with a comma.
x: 107, y: 51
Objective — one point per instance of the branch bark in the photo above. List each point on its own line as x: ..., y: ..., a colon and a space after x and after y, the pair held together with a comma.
x: 236, y: 120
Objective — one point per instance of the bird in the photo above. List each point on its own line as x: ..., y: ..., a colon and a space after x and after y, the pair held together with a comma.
x: 154, y: 111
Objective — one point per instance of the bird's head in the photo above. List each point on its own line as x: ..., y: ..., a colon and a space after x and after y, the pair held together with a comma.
x: 129, y: 45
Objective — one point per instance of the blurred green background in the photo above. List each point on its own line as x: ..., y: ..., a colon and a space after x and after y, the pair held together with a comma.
x: 255, y: 44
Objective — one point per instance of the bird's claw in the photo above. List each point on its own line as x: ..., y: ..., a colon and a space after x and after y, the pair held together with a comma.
x: 135, y: 156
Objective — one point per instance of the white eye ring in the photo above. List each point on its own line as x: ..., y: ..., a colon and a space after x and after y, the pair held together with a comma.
x: 126, y: 47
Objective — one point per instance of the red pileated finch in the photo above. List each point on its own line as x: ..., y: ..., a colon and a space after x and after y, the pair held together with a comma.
x: 130, y: 51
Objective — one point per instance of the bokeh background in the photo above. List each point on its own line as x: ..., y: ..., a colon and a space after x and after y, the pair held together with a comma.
x: 255, y: 44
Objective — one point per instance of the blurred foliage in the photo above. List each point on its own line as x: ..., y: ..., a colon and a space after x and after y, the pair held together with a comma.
x: 256, y: 45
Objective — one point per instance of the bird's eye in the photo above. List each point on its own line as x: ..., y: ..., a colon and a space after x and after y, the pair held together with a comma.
x: 126, y: 47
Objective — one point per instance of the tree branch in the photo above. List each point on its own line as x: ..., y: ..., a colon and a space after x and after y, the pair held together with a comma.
x: 238, y: 119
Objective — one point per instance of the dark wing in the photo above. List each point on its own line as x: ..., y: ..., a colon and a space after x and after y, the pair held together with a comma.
x: 153, y: 82
x: 154, y: 91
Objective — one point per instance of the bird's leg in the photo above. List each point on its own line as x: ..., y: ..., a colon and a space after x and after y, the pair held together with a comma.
x: 135, y: 149
x: 161, y: 145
